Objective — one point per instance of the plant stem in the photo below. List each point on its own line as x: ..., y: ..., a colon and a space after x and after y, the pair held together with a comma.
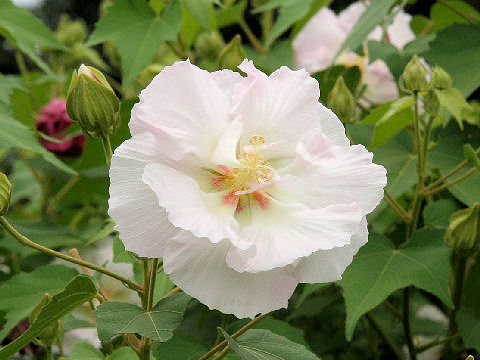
x: 244, y: 328
x: 376, y: 326
x: 435, y: 342
x: 27, y: 242
x: 406, y: 323
x: 396, y: 207
x: 251, y: 36
x: 145, y: 352
x: 450, y: 183
x: 459, y: 268
x: 467, y: 17
x: 107, y: 149
x: 60, y: 194
x: 151, y: 286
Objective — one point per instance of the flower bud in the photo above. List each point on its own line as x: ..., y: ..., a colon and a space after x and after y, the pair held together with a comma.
x: 5, y: 193
x: 415, y: 75
x: 431, y: 103
x: 464, y: 228
x: 342, y: 102
x: 92, y: 102
x: 232, y: 54
x: 209, y: 45
x: 71, y: 32
x: 441, y: 80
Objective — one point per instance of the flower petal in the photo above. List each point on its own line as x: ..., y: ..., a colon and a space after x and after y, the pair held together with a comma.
x: 283, y: 233
x: 381, y: 86
x: 329, y: 265
x: 226, y: 151
x: 333, y: 175
x: 185, y: 103
x: 280, y: 108
x: 226, y: 80
x: 399, y: 32
x: 198, y: 267
x: 204, y: 214
x: 142, y: 224
x: 317, y: 43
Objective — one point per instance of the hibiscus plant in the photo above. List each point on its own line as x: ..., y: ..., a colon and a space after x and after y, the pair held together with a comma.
x: 263, y: 179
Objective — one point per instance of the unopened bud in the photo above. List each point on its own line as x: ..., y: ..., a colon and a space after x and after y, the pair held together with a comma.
x: 431, y: 103
x: 464, y: 228
x: 92, y: 102
x: 232, y: 54
x: 209, y: 45
x: 71, y: 32
x: 5, y: 193
x: 342, y: 102
x: 440, y: 79
x: 415, y: 75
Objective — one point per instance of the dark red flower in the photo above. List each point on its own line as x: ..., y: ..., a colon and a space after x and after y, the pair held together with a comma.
x: 53, y: 119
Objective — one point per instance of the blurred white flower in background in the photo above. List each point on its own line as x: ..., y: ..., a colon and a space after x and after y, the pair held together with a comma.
x: 29, y: 4
x: 245, y: 186
x: 318, y: 42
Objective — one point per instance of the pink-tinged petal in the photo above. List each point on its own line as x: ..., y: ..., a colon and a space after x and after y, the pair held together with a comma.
x: 381, y: 86
x: 142, y: 224
x: 399, y: 32
x: 327, y: 266
x: 283, y: 233
x: 317, y: 43
x: 280, y: 108
x: 198, y: 267
x: 333, y: 175
x: 185, y: 103
x: 226, y: 80
x: 207, y: 215
x: 332, y: 127
x: 226, y: 151
x: 349, y: 17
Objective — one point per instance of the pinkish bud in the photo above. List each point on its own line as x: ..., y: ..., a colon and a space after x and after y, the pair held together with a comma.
x: 53, y: 119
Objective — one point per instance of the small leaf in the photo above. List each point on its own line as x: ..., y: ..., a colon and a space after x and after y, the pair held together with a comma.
x: 469, y: 326
x: 371, y: 17
x: 454, y: 102
x: 379, y: 269
x: 389, y: 119
x: 231, y: 15
x: 138, y: 32
x: 27, y: 32
x: 21, y: 293
x: 122, y: 318
x: 437, y: 213
x: 281, y: 54
x: 77, y: 291
x: 179, y: 347
x: 202, y: 11
x: 124, y: 353
x: 85, y: 351
x: 265, y: 345
x: 20, y: 137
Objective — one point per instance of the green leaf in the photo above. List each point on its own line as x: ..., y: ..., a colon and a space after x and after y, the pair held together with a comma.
x: 454, y: 102
x: 124, y: 353
x: 85, y: 351
x: 264, y: 345
x: 231, y: 15
x: 469, y: 326
x: 7, y: 84
x: 27, y: 32
x: 437, y: 213
x: 328, y: 77
x: 179, y: 348
x: 448, y: 153
x: 396, y: 156
x: 138, y: 32
x: 289, y: 12
x: 77, y: 291
x: 20, y: 137
x: 379, y: 269
x: 308, y: 290
x: 281, y: 54
x: 371, y: 17
x: 456, y: 50
x: 443, y: 16
x: 389, y: 119
x: 389, y: 54
x: 202, y: 11
x: 123, y: 318
x: 21, y: 293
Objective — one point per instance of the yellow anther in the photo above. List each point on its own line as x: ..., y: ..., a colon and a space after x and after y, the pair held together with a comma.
x: 256, y: 140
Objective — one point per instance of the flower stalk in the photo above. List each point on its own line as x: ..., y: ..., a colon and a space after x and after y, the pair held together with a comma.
x: 22, y: 239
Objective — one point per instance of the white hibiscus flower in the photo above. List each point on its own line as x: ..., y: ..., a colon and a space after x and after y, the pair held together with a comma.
x: 318, y: 42
x: 245, y: 186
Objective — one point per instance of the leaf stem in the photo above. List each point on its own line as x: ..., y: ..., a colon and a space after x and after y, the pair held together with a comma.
x: 251, y: 36
x: 467, y: 17
x: 244, y: 328
x: 376, y: 326
x: 26, y: 77
x: 450, y: 183
x: 397, y: 207
x: 149, y: 293
x: 27, y: 242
